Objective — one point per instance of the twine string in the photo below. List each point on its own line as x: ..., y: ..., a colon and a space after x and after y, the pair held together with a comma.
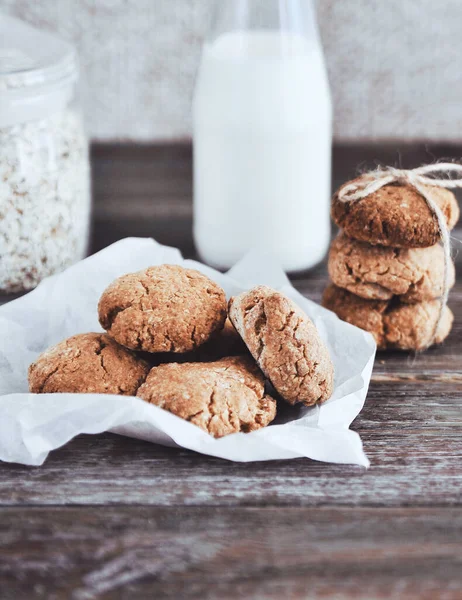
x: 421, y: 179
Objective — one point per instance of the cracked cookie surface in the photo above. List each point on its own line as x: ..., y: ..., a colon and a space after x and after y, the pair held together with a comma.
x: 395, y: 215
x: 285, y: 344
x: 393, y: 324
x: 379, y: 272
x: 221, y: 397
x: 166, y: 308
x: 88, y: 363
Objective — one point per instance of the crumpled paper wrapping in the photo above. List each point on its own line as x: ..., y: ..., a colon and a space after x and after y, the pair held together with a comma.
x: 31, y: 425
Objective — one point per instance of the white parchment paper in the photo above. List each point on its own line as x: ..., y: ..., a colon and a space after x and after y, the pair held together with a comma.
x: 31, y: 425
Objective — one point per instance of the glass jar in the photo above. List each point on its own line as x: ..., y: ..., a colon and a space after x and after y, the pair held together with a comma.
x: 45, y: 196
x: 262, y: 136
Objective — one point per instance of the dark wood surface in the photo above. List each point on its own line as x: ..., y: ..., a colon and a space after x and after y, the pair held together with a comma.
x: 110, y: 517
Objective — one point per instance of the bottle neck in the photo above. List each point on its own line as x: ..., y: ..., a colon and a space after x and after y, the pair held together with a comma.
x: 289, y: 16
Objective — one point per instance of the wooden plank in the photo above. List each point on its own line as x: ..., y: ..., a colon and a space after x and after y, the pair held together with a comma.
x: 412, y: 433
x: 204, y: 553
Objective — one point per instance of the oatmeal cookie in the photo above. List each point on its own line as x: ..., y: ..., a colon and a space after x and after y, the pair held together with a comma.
x: 88, y: 363
x: 221, y: 397
x: 285, y: 344
x: 379, y: 272
x: 393, y: 324
x: 163, y: 309
x: 395, y: 215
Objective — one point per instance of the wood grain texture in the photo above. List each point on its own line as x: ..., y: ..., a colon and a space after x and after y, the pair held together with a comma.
x: 412, y: 433
x: 112, y: 517
x: 231, y: 553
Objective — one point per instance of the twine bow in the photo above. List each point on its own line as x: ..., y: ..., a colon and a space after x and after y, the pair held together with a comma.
x: 420, y: 179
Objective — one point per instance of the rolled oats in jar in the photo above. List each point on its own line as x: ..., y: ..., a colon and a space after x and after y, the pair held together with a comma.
x: 45, y: 197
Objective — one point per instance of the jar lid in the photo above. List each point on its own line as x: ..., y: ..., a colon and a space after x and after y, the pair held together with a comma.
x: 30, y: 57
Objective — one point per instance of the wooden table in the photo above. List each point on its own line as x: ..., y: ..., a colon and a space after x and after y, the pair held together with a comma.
x: 110, y: 517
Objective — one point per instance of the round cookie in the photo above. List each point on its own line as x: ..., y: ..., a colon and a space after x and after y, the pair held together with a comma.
x: 395, y: 215
x: 393, y: 324
x: 87, y: 363
x: 285, y: 344
x: 163, y: 309
x: 221, y: 397
x: 379, y: 272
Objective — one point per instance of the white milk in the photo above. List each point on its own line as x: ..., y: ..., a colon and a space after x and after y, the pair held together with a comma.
x: 262, y: 150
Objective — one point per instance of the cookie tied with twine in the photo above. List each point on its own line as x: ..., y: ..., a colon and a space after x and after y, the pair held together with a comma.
x: 424, y: 180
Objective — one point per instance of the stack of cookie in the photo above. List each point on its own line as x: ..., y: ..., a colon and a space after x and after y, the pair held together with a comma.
x: 170, y: 342
x: 387, y: 267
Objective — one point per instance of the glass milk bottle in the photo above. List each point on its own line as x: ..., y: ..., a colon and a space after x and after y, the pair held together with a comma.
x: 262, y: 136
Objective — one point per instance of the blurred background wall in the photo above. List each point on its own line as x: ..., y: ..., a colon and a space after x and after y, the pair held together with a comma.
x: 394, y: 66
